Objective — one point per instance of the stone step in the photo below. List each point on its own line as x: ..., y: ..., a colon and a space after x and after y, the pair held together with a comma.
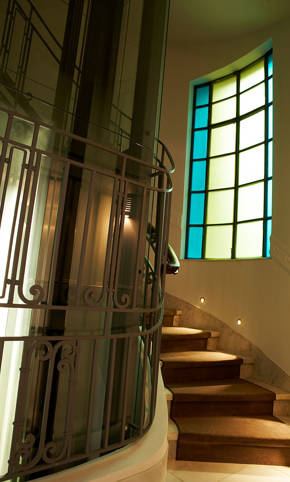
x: 175, y: 339
x: 199, y: 365
x: 255, y: 440
x: 220, y: 397
x: 171, y: 317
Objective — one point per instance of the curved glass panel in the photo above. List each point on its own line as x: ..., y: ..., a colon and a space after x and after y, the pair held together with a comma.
x: 222, y: 172
x: 224, y: 110
x: 251, y: 202
x: 252, y: 164
x: 220, y: 207
x: 252, y: 75
x: 223, y: 140
x: 219, y: 242
x: 252, y: 99
x: 249, y: 240
x: 252, y: 130
x: 224, y: 88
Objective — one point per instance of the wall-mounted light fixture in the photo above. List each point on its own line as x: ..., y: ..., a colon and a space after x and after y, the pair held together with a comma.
x: 130, y: 208
x: 202, y: 299
x: 239, y: 321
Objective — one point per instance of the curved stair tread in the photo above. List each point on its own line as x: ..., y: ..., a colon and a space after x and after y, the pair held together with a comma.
x: 199, y: 358
x: 263, y: 430
x: 220, y: 390
x: 183, y: 332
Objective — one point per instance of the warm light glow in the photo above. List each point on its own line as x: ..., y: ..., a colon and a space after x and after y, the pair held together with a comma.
x: 202, y: 299
x: 239, y: 322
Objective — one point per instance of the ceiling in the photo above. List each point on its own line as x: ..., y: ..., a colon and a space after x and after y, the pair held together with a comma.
x: 203, y: 20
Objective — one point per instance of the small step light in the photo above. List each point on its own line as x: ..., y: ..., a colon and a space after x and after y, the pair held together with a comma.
x: 239, y: 321
x: 202, y: 299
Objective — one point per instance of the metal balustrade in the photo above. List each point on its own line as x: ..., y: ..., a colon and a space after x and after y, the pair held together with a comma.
x: 85, y: 386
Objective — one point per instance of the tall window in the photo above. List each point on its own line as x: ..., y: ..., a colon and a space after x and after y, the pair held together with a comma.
x: 230, y: 188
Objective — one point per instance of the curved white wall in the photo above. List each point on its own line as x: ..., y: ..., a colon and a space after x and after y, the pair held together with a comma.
x: 258, y: 291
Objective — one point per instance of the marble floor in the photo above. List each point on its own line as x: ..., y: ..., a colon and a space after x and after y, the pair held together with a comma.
x: 215, y: 472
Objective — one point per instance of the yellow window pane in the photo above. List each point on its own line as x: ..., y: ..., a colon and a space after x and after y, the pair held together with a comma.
x: 223, y: 110
x: 252, y: 165
x: 219, y: 242
x: 252, y: 75
x: 251, y: 202
x: 252, y: 130
x: 222, y: 172
x: 249, y: 240
x: 223, y: 140
x: 224, y: 88
x: 220, y: 207
x: 252, y: 99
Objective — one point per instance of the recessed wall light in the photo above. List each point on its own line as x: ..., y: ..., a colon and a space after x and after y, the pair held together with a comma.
x: 239, y: 321
x: 202, y: 299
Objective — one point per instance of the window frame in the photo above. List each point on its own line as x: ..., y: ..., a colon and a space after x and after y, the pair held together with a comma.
x: 236, y: 121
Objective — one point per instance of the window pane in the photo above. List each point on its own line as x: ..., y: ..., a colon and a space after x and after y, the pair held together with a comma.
x: 219, y: 242
x: 224, y: 88
x: 202, y: 95
x: 252, y: 165
x: 198, y: 176
x: 196, y: 209
x: 249, y: 240
x: 270, y: 90
x: 220, y: 207
x: 270, y: 159
x: 223, y: 140
x: 251, y: 202
x: 222, y: 172
x: 252, y: 130
x: 270, y: 65
x: 223, y: 110
x: 194, y: 249
x: 252, y: 75
x: 269, y: 232
x: 270, y: 122
x: 269, y: 200
x: 252, y: 99
x: 200, y: 144
x: 201, y: 117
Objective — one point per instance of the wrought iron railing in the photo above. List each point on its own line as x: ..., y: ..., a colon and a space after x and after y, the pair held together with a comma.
x: 79, y: 352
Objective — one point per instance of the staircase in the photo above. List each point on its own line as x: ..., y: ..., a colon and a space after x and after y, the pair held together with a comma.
x: 220, y: 416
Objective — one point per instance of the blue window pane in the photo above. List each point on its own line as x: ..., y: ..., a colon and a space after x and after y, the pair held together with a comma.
x: 202, y: 95
x: 270, y: 90
x: 196, y: 209
x: 270, y: 159
x: 200, y: 144
x: 198, y: 176
x: 194, y: 249
x: 269, y: 232
x: 269, y: 202
x: 270, y: 65
x: 270, y: 122
x: 201, y: 117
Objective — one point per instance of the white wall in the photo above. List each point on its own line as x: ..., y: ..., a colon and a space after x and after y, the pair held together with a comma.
x: 258, y: 291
